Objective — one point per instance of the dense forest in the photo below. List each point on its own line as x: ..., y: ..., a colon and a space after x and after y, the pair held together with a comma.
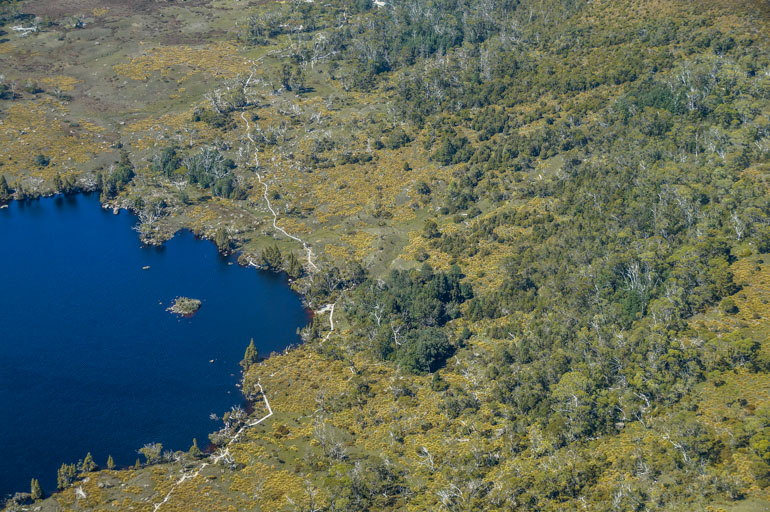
x: 576, y: 316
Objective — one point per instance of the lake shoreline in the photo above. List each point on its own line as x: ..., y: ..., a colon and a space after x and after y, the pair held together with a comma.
x: 225, y: 260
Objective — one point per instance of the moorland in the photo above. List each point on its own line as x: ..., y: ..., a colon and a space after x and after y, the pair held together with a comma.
x: 535, y: 233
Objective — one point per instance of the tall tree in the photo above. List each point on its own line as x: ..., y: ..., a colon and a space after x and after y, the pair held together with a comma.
x: 194, y: 450
x: 57, y: 183
x: 222, y: 240
x: 66, y: 475
x: 293, y: 266
x: 271, y: 258
x: 87, y: 465
x: 5, y: 192
x: 36, y: 492
x: 250, y: 357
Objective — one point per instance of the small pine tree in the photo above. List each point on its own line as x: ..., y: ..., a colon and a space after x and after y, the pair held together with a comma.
x: 110, y: 463
x: 5, y: 192
x: 293, y: 266
x: 66, y: 475
x: 124, y: 159
x: 138, y: 463
x: 107, y: 191
x: 87, y: 465
x: 70, y: 185
x: 21, y: 194
x: 271, y: 258
x: 465, y: 335
x: 57, y: 183
x: 194, y: 450
x: 36, y: 492
x: 124, y: 172
x: 430, y: 230
x: 250, y: 357
x: 222, y: 240
x: 286, y: 76
x: 422, y: 188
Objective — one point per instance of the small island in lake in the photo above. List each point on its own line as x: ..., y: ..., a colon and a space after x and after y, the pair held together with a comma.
x: 184, y: 306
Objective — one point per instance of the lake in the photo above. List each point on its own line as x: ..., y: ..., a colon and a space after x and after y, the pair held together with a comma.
x: 90, y: 360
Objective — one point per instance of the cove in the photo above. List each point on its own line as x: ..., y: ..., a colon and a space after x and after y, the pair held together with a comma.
x: 90, y: 360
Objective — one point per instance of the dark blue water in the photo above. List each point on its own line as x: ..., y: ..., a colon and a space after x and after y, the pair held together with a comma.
x: 90, y: 360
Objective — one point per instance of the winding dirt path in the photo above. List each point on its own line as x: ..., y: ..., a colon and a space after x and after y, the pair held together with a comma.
x: 305, y: 246
x: 223, y: 454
